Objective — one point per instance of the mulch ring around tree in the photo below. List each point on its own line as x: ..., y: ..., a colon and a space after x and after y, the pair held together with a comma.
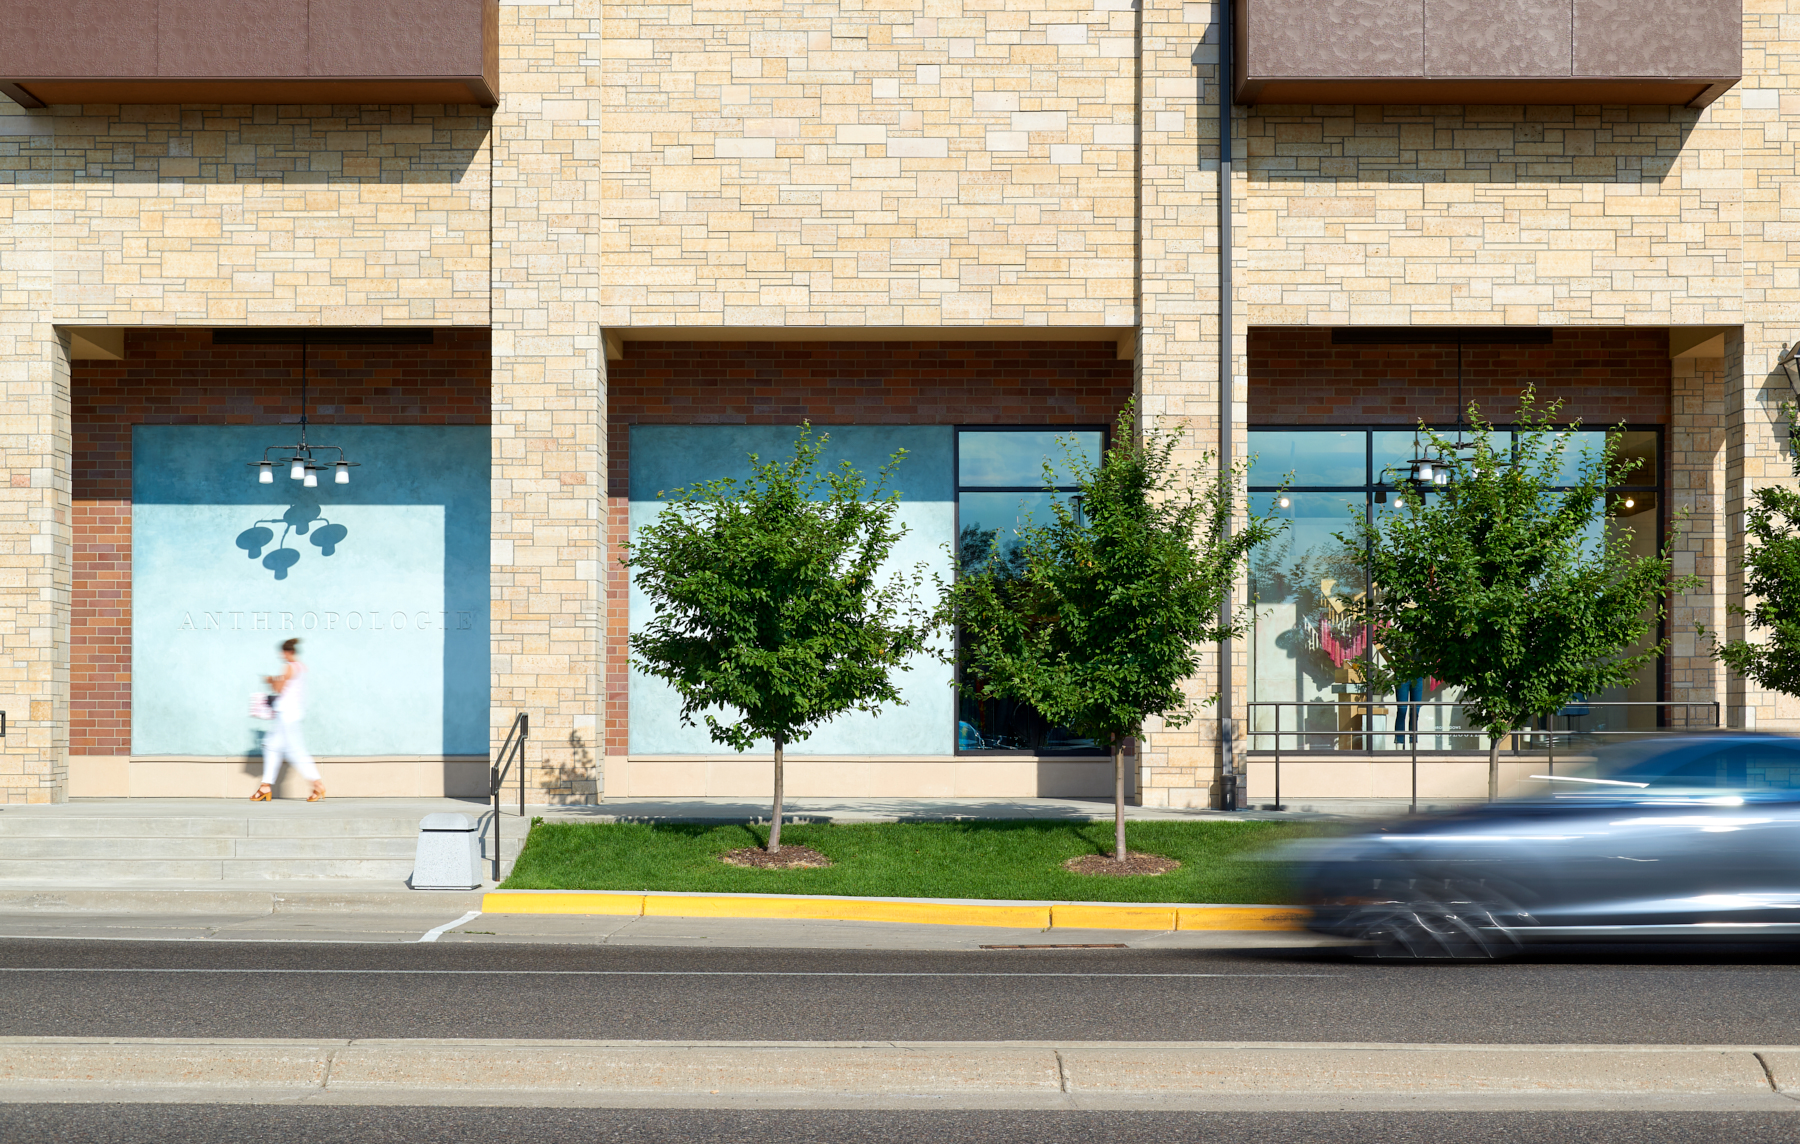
x: 1103, y: 864
x: 787, y: 858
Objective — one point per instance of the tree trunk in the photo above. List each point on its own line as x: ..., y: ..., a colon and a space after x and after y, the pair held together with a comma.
x: 775, y: 822
x: 1118, y: 752
x: 1494, y: 767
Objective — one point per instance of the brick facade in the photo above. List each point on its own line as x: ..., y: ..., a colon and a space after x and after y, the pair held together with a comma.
x: 1602, y: 377
x: 178, y: 377
x: 871, y: 383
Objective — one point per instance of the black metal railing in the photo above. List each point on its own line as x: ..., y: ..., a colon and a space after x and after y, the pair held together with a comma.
x: 512, y: 751
x: 1360, y: 736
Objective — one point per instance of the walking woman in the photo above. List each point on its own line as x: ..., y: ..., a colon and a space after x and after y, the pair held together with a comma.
x: 283, y: 735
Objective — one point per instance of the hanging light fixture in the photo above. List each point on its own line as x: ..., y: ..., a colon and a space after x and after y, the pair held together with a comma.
x: 303, y: 466
x: 1427, y: 469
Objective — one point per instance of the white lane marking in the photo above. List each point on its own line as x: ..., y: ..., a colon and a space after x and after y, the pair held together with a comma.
x: 624, y: 972
x: 434, y: 934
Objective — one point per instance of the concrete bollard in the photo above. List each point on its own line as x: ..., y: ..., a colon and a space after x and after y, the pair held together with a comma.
x: 449, y: 854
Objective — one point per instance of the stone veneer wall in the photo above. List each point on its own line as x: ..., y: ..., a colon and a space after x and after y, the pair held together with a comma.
x: 952, y: 164
x: 35, y: 539
x: 862, y: 383
x: 549, y: 394
x: 271, y: 216
x: 960, y: 164
x: 178, y: 377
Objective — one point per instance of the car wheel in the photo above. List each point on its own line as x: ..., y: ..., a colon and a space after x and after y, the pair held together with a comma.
x: 1448, y: 920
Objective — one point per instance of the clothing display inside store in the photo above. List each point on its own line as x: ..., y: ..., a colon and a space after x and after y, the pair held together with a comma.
x: 1308, y: 649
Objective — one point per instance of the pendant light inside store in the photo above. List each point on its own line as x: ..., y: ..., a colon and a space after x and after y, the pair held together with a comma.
x: 303, y: 465
x: 1428, y: 470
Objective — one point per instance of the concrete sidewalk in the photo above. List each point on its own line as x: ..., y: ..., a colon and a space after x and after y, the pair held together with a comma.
x: 412, y: 924
x: 823, y: 810
x: 937, y: 1075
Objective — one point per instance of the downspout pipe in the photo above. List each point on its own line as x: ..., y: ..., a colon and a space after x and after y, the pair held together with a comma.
x: 1231, y: 780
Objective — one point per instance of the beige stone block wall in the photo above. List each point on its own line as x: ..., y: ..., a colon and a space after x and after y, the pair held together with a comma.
x: 1769, y: 163
x: 961, y: 162
x: 271, y: 216
x: 1696, y: 460
x: 1502, y: 215
x: 549, y: 412
x: 35, y: 524
x: 1179, y: 339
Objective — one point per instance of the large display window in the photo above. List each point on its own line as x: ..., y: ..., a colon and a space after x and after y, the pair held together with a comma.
x: 1006, y: 481
x: 1305, y: 680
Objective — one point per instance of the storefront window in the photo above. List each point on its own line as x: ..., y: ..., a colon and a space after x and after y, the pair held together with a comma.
x: 1305, y: 681
x: 1002, y: 487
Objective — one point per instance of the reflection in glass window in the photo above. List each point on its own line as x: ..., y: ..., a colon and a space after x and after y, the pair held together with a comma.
x: 1001, y: 490
x: 1307, y: 458
x: 1015, y: 459
x: 1304, y: 678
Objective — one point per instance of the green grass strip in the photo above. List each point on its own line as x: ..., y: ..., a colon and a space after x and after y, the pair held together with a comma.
x: 1019, y: 859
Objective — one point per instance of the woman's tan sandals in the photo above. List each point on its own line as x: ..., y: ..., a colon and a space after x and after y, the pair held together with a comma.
x: 317, y: 795
x: 263, y: 794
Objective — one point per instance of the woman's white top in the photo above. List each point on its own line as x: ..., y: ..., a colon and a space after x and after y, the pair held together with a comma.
x: 291, y: 703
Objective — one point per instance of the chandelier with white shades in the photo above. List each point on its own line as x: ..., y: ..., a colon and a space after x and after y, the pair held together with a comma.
x: 303, y: 460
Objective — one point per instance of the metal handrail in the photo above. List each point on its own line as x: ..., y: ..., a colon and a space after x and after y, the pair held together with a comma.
x: 1547, y: 732
x: 511, y: 751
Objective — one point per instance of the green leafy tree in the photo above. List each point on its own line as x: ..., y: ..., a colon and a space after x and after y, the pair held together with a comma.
x: 1500, y: 583
x: 770, y: 603
x: 1097, y: 617
x: 1772, y: 582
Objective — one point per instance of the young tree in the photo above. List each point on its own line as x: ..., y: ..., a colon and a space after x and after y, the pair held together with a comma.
x: 1518, y: 592
x: 1772, y: 581
x: 769, y: 601
x: 1097, y: 616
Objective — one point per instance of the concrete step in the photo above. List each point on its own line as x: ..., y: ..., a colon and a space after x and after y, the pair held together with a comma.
x: 174, y: 849
x: 76, y: 826
x: 191, y: 840
x: 111, y: 871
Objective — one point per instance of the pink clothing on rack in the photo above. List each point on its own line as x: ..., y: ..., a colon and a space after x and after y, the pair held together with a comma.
x: 1340, y: 647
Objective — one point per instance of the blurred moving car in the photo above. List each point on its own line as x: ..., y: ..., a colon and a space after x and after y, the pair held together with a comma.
x: 1677, y: 837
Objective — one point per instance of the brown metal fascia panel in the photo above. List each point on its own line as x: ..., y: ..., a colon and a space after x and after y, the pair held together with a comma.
x: 206, y: 51
x: 458, y: 90
x: 1713, y: 91
x: 490, y: 50
x: 1484, y: 91
x: 20, y: 96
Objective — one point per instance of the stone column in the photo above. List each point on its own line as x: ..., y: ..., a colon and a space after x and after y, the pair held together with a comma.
x: 1696, y: 491
x: 1178, y: 350
x: 35, y: 528
x: 549, y: 419
x: 1757, y: 456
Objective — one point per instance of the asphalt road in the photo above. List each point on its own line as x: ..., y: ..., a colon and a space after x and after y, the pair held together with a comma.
x: 181, y: 989
x: 237, y: 1124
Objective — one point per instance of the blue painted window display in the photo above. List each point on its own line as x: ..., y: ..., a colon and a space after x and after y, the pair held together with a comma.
x: 385, y: 582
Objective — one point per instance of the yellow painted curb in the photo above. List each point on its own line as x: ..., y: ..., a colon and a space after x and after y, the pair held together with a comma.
x: 1240, y: 918
x: 1105, y: 915
x: 1013, y: 915
x: 850, y: 910
x: 573, y: 902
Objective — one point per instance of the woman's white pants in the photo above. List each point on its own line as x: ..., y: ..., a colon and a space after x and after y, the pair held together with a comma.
x: 283, y: 738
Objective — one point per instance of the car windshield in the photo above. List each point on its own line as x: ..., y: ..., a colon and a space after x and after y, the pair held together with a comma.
x: 1733, y: 765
